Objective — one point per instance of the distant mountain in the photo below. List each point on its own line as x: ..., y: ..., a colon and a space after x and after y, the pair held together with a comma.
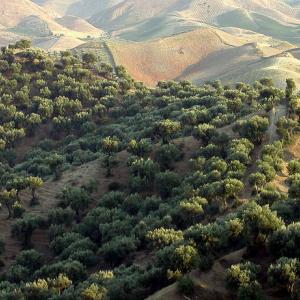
x: 79, y: 8
x: 24, y: 18
x: 12, y: 12
x: 171, y: 39
x: 130, y: 18
x: 78, y: 24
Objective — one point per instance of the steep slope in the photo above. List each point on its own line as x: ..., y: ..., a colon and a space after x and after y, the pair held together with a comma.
x: 131, y: 12
x: 34, y: 26
x: 7, y: 38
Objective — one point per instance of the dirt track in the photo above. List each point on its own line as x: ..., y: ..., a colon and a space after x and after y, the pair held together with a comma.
x: 275, y: 115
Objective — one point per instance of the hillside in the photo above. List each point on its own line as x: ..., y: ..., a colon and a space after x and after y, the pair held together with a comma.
x: 165, y: 59
x: 80, y: 25
x: 134, y: 15
x: 12, y: 12
x: 57, y: 43
x: 25, y: 18
x: 226, y: 55
x: 247, y: 64
x: 261, y: 24
x: 112, y: 190
x: 79, y: 8
x: 152, y: 32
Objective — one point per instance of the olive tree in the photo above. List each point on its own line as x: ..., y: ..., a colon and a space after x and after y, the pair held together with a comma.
x: 110, y: 147
x: 23, y: 229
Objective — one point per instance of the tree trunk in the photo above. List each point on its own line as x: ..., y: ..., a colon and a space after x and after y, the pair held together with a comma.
x: 9, y: 210
x: 33, y: 199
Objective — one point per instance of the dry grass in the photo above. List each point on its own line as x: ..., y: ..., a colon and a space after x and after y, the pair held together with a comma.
x: 167, y: 58
x: 80, y: 25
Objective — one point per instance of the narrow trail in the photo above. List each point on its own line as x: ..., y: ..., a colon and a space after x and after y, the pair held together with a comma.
x: 275, y: 115
x: 271, y: 136
x: 109, y: 55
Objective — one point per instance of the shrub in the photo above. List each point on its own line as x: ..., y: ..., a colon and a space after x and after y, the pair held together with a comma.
x: 186, y: 285
x: 285, y: 241
x: 242, y: 274
x: 284, y: 273
x: 165, y: 182
x: 250, y: 291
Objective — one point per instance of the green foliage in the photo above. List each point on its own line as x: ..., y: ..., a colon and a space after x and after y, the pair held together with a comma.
x: 161, y: 237
x: 139, y: 148
x: 78, y: 199
x: 260, y: 222
x: 186, y: 285
x: 204, y: 132
x: 118, y: 248
x: 165, y: 182
x: 166, y: 130
x: 34, y: 183
x: 251, y: 291
x: 8, y: 198
x: 68, y: 109
x: 89, y: 58
x: 178, y: 257
x: 94, y: 292
x: 284, y: 273
x: 242, y: 274
x: 167, y: 154
x: 284, y: 241
x: 23, y: 228
x: 253, y: 129
x: 110, y: 147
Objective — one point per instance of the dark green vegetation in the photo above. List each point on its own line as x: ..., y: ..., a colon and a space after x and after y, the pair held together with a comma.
x: 179, y: 210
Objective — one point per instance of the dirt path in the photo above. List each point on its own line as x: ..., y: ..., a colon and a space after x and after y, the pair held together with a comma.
x: 271, y: 136
x: 109, y: 55
x: 275, y: 115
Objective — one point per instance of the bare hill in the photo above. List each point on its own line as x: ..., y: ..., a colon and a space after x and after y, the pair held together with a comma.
x: 165, y: 59
x: 130, y: 13
x: 80, y: 8
x: 245, y: 63
x: 224, y: 55
x: 80, y: 25
x: 12, y: 12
